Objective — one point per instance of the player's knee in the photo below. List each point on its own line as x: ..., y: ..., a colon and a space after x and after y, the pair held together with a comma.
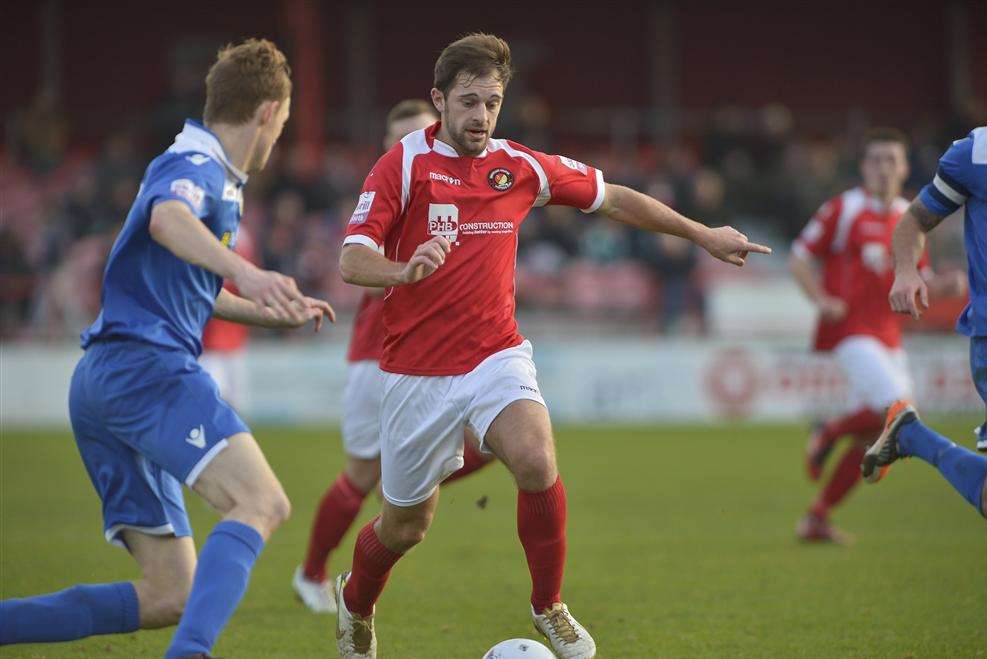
x: 536, y: 471
x: 162, y: 600
x: 402, y: 535
x: 278, y: 509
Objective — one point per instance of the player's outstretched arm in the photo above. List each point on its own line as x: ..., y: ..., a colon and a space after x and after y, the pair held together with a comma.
x: 639, y: 210
x: 910, y: 293
x: 175, y: 228
x: 234, y: 308
x: 361, y: 265
x: 804, y: 272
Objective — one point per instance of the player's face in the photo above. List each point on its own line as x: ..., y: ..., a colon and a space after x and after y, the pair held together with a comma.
x: 469, y: 111
x: 275, y: 115
x: 884, y: 168
x: 398, y: 129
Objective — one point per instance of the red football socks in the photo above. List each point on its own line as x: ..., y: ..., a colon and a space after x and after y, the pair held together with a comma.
x: 372, y: 563
x: 541, y: 527
x: 861, y: 422
x: 337, y: 510
x: 841, y: 481
x: 472, y: 460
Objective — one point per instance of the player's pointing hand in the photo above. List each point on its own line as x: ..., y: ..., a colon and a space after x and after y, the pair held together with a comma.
x: 728, y: 244
x: 428, y: 257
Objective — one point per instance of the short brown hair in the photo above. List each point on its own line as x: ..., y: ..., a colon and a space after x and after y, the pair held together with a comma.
x: 883, y: 134
x: 244, y: 76
x: 408, y: 108
x: 475, y: 55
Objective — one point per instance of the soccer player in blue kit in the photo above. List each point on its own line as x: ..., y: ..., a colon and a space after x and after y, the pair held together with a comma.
x: 146, y: 417
x: 960, y: 180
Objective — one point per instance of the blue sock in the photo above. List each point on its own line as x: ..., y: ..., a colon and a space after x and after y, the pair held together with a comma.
x: 220, y: 581
x: 76, y: 612
x: 965, y: 470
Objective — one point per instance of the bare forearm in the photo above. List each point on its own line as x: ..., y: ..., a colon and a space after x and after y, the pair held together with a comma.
x: 361, y: 265
x: 175, y: 228
x: 236, y: 309
x: 805, y: 275
x: 908, y: 240
x: 638, y: 210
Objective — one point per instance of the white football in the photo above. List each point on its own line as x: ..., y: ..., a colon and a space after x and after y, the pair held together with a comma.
x: 519, y: 648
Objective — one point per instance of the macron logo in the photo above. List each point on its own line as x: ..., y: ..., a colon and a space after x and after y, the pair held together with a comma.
x: 435, y: 176
x: 197, y: 437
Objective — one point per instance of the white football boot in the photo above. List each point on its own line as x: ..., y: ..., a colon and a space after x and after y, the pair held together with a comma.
x: 568, y: 638
x: 355, y: 635
x: 316, y: 595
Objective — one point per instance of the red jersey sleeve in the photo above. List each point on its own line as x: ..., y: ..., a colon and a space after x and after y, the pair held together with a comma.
x: 566, y: 182
x: 818, y: 234
x: 381, y: 202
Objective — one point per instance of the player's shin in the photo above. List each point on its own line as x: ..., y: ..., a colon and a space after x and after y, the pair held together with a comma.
x: 73, y: 613
x: 541, y: 519
x: 337, y: 510
x: 221, y: 577
x: 965, y: 470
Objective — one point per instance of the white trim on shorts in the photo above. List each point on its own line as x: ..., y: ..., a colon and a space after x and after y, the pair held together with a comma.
x: 114, y: 531
x: 204, y: 462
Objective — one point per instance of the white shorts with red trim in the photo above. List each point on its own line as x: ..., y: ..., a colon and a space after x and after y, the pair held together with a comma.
x: 362, y: 397
x: 878, y: 375
x: 423, y: 419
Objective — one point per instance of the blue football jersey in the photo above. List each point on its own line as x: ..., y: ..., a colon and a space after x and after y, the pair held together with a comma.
x: 962, y: 180
x: 149, y: 294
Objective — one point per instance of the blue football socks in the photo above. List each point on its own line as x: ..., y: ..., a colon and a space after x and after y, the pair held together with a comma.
x: 73, y: 613
x: 965, y: 470
x: 220, y: 582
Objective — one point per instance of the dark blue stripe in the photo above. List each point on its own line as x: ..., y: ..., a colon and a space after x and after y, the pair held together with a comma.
x: 944, y: 203
x: 953, y: 183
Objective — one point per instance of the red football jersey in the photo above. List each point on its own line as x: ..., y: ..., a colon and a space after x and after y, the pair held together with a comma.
x: 223, y: 335
x: 367, y: 338
x: 851, y: 235
x: 449, y: 322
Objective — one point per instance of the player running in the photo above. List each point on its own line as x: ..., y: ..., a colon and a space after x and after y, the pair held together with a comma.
x: 361, y: 415
x: 960, y: 180
x: 437, y: 224
x: 850, y: 237
x: 146, y: 417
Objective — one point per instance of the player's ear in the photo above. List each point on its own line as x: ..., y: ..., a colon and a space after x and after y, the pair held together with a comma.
x: 438, y: 100
x: 266, y: 112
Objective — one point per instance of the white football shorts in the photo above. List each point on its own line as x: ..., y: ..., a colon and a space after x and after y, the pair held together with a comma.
x: 878, y: 375
x: 363, y: 394
x: 423, y: 419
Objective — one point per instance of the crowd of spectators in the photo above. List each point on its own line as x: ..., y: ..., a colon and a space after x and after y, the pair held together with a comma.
x: 751, y: 168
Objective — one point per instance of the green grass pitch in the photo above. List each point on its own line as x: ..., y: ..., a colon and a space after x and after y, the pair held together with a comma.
x: 680, y: 545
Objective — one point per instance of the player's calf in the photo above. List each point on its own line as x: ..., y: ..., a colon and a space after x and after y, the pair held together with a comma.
x: 401, y: 528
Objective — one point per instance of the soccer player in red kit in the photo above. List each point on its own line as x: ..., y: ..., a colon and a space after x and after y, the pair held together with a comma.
x: 850, y: 236
x: 437, y: 224
x: 362, y: 398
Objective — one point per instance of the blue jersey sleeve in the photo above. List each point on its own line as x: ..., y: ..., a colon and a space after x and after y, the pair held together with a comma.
x: 193, y: 179
x: 950, y: 188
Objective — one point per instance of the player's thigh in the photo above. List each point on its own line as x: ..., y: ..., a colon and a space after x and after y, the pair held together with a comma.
x: 240, y: 477
x: 362, y: 400
x: 167, y: 565
x: 876, y: 378
x: 422, y: 422
x: 521, y: 436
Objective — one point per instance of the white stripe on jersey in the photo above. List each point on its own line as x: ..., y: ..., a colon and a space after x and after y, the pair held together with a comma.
x: 948, y: 191
x: 412, y: 145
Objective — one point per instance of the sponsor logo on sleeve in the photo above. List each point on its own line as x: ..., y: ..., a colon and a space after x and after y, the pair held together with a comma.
x: 443, y: 220
x: 189, y: 191
x: 500, y: 179
x: 363, y: 206
x: 573, y: 164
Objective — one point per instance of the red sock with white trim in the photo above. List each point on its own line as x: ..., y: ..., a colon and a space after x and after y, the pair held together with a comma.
x: 337, y: 510
x: 372, y: 563
x: 541, y: 520
x: 472, y: 461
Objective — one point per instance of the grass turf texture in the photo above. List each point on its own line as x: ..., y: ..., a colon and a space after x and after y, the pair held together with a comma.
x: 680, y: 545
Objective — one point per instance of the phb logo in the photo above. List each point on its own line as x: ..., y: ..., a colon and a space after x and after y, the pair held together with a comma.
x: 443, y: 220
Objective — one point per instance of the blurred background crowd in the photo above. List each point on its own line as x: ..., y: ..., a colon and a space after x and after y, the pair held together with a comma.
x: 69, y: 174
